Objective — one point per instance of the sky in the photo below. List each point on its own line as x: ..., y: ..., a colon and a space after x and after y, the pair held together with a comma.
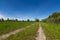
x: 28, y: 9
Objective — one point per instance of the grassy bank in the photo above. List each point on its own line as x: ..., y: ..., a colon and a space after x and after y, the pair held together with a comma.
x: 6, y: 27
x: 51, y: 30
x: 27, y: 34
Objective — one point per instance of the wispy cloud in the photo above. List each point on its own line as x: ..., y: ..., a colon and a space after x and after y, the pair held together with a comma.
x: 2, y: 16
x: 6, y: 16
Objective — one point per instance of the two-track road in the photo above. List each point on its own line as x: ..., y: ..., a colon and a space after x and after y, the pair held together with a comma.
x: 41, y: 35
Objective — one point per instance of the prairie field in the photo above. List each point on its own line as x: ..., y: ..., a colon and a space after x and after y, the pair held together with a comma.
x: 29, y: 19
x: 52, y: 30
x: 27, y: 34
x: 6, y: 27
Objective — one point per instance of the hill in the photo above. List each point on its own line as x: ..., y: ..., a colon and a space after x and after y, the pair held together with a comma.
x: 54, y: 18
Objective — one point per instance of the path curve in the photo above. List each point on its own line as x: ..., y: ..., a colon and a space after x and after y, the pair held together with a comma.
x: 41, y: 35
x: 4, y: 36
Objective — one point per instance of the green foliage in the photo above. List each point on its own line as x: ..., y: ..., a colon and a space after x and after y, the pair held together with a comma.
x: 16, y: 19
x: 1, y: 20
x: 28, y: 20
x: 54, y: 18
x: 27, y: 34
x: 8, y: 19
x: 37, y: 20
x: 52, y: 30
x: 55, y: 15
x: 9, y: 26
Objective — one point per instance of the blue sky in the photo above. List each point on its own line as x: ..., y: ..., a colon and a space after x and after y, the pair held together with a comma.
x: 28, y: 9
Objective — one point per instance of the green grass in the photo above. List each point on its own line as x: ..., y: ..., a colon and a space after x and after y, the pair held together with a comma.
x: 6, y: 27
x: 27, y: 34
x: 51, y: 30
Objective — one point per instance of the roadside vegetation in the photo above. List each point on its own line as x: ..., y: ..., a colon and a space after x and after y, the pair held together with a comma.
x: 53, y: 18
x: 51, y: 30
x: 8, y: 26
x: 27, y: 34
x: 51, y: 26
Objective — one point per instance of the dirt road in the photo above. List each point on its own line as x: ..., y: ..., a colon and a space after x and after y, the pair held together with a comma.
x: 40, y: 35
x: 4, y: 36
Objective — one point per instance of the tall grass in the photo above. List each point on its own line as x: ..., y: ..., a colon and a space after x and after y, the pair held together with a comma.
x: 6, y: 27
x: 27, y: 34
x: 52, y: 30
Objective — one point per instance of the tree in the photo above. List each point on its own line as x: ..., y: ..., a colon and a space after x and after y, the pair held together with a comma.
x: 2, y: 19
x: 23, y: 20
x: 28, y: 20
x: 37, y: 20
x: 54, y: 18
x: 16, y: 19
x: 7, y: 19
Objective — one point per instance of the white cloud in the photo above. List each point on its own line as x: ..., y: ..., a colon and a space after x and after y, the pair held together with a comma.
x: 2, y: 16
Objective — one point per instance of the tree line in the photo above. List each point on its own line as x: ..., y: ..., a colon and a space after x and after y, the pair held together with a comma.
x: 54, y: 18
x: 16, y: 20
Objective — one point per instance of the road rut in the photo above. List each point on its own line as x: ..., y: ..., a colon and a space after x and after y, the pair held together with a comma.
x: 41, y: 35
